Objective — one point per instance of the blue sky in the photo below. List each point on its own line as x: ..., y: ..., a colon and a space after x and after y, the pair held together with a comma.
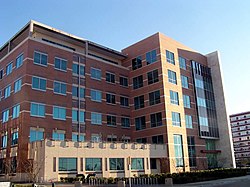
x: 205, y: 26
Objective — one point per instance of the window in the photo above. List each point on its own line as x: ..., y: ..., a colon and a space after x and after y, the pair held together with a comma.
x: 174, y: 97
x: 96, y: 138
x: 156, y: 119
x: 9, y: 68
x: 203, y: 121
x: 178, y: 150
x: 191, y: 151
x: 124, y: 101
x: 19, y: 61
x: 5, y: 116
x: 96, y: 73
x: 59, y: 113
x: 124, y: 81
x: 4, y: 141
x: 172, y: 77
x: 96, y: 95
x: 96, y: 118
x: 14, y: 138
x: 170, y: 57
x: 39, y: 83
x: 116, y: 164
x: 75, y: 92
x: 157, y: 139
x: 188, y: 121
x: 184, y: 81
x: 77, y: 138
x: 37, y: 109
x: 140, y: 123
x: 138, y: 82
x: 40, y: 58
x: 137, y: 163
x: 110, y: 77
x: 16, y: 111
x: 36, y: 135
x: 93, y: 164
x: 1, y: 74
x: 139, y: 102
x: 60, y: 64
x: 110, y: 98
x: 154, y: 97
x: 60, y: 88
x: 67, y: 164
x: 153, y: 163
x: 136, y: 63
x: 153, y: 77
x: 125, y: 122
x: 186, y: 101
x: 75, y: 69
x: 111, y: 120
x: 17, y: 85
x: 182, y: 62
x: 7, y: 91
x: 57, y: 135
x: 151, y: 57
x: 176, y: 119
x: 201, y: 102
x: 76, y: 114
x: 141, y: 140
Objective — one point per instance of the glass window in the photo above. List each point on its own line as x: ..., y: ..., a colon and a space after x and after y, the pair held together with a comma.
x: 75, y: 69
x: 60, y: 88
x: 186, y: 101
x: 93, y: 164
x: 156, y: 119
x: 153, y: 76
x: 182, y: 62
x: 5, y: 116
x: 170, y: 57
x: 4, y: 141
x: 141, y: 140
x: 124, y: 101
x: 116, y: 164
x: 201, y: 102
x: 138, y: 82
x: 137, y: 163
x: 153, y: 163
x: 59, y: 113
x: 178, y: 150
x: 76, y: 114
x: 172, y: 77
x: 96, y: 95
x: 191, y: 151
x: 75, y: 92
x: 174, y: 97
x: 110, y: 98
x: 184, y: 81
x: 1, y: 74
x: 77, y: 138
x: 110, y: 77
x: 157, y: 139
x: 39, y: 83
x: 40, y: 58
x: 9, y: 68
x: 125, y: 122
x: 188, y: 121
x: 124, y: 81
x: 60, y: 64
x: 140, y: 123
x: 176, y: 119
x: 7, y: 91
x: 67, y: 164
x: 37, y: 109
x: 139, y: 102
x: 36, y: 135
x: 154, y: 97
x: 19, y: 61
x: 16, y: 111
x: 136, y: 63
x: 17, y: 85
x: 111, y: 120
x: 58, y: 136
x: 151, y: 57
x: 14, y: 138
x: 96, y: 118
x: 96, y: 138
x: 203, y: 121
x: 96, y: 73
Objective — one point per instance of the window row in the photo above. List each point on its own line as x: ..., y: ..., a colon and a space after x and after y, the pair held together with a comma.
x: 152, y: 76
x: 154, y: 98
x: 174, y: 99
x: 7, y: 89
x: 15, y: 113
x: 14, y: 139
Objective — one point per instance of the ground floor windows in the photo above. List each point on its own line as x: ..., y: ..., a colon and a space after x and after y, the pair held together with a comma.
x: 116, y: 164
x: 36, y: 135
x: 93, y: 164
x: 178, y: 150
x: 137, y: 163
x: 68, y: 164
x: 58, y: 136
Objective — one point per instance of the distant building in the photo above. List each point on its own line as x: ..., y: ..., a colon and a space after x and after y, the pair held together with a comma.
x: 74, y: 106
x: 240, y: 124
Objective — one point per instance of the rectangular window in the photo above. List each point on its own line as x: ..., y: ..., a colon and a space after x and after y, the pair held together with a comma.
x: 138, y: 82
x: 9, y: 68
x: 172, y: 77
x: 60, y: 64
x: 60, y: 88
x: 75, y: 69
x: 96, y: 95
x: 54, y: 164
x: 140, y: 123
x: 5, y: 116
x: 153, y: 163
x: 176, y: 119
x: 40, y: 58
x: 151, y: 57
x: 125, y: 122
x: 59, y: 113
x: 96, y: 118
x: 139, y: 102
x: 36, y: 135
x: 14, y: 138
x: 1, y: 74
x: 4, y: 141
x: 182, y: 62
x: 141, y: 140
x: 201, y: 102
x: 136, y: 63
x: 67, y: 164
x: 156, y: 119
x: 186, y: 101
x: 77, y: 138
x: 170, y: 57
x: 96, y: 138
x: 178, y: 150
x: 184, y: 81
x: 124, y: 81
x: 116, y: 164
x: 188, y: 121
x: 110, y: 98
x: 16, y: 111
x: 203, y: 121
x: 191, y: 151
x: 157, y: 139
x: 93, y: 164
x: 111, y: 120
x: 76, y: 114
x: 110, y: 77
x: 39, y: 83
x: 96, y: 73
x: 7, y: 91
x: 75, y: 92
x: 124, y: 101
x: 153, y: 76
x: 137, y: 163
x: 19, y: 61
x: 154, y: 97
x: 37, y: 109
x: 174, y: 97
x: 17, y: 85
x: 58, y: 136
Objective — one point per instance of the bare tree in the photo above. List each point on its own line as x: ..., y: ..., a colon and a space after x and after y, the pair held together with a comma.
x: 9, y: 166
